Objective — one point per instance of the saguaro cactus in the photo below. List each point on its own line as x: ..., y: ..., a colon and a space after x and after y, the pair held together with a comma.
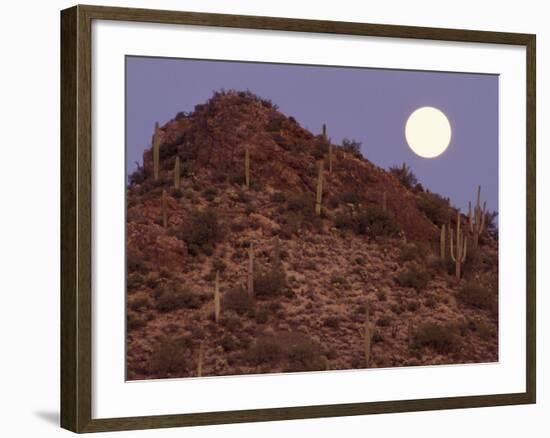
x: 459, y: 255
x: 200, y: 359
x: 330, y: 150
x: 250, y: 277
x: 319, y: 198
x: 177, y: 173
x: 442, y: 243
x: 156, y: 151
x: 247, y: 167
x: 164, y: 210
x: 217, y: 307
x: 477, y: 222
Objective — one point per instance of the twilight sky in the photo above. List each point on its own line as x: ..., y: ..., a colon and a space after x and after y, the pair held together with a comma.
x: 368, y: 105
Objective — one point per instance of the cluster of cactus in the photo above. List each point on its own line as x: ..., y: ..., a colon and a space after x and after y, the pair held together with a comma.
x: 477, y: 220
x: 458, y: 249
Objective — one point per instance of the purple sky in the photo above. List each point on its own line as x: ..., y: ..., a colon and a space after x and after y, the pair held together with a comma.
x: 368, y: 105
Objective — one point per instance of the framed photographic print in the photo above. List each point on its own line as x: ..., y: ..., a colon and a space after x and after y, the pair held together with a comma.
x: 268, y: 218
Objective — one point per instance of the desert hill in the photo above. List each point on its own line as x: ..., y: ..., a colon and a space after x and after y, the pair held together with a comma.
x: 258, y: 246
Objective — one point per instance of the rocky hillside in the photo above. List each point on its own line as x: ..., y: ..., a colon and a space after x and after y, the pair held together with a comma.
x: 257, y: 246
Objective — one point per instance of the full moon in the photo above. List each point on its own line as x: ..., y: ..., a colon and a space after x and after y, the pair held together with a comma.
x: 428, y: 132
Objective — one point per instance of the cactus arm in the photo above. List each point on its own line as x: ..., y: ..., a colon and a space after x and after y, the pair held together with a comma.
x: 464, y: 250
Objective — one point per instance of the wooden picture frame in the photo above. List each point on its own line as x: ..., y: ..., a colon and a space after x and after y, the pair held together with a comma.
x: 76, y: 218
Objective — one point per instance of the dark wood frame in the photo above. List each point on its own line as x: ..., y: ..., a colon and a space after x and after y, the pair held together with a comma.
x: 76, y: 168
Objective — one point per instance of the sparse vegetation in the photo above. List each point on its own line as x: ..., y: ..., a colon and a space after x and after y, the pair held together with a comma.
x: 405, y: 175
x: 238, y: 300
x: 201, y: 229
x: 175, y: 296
x: 269, y: 284
x: 435, y: 207
x: 475, y: 295
x: 352, y: 146
x: 169, y: 356
x: 442, y: 337
x: 413, y: 277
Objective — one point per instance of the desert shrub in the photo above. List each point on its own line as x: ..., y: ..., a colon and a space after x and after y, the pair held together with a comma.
x: 262, y: 315
x: 134, y: 262
x: 228, y: 342
x: 349, y: 197
x: 343, y: 220
x: 303, y: 203
x: 412, y: 306
x: 209, y: 193
x: 278, y: 197
x: 238, y: 300
x: 202, y: 228
x: 435, y: 207
x: 409, y: 251
x: 265, y: 349
x: 269, y: 284
x: 383, y: 321
x: 431, y: 302
x: 169, y: 356
x: 304, y: 355
x: 373, y: 221
x: 275, y: 123
x: 491, y: 221
x: 476, y: 295
x: 413, y: 277
x: 441, y: 337
x: 174, y: 296
x: 331, y: 321
x: 300, y: 352
x: 405, y: 175
x: 352, y: 146
x: 134, y: 322
x: 381, y: 295
x: 339, y: 281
